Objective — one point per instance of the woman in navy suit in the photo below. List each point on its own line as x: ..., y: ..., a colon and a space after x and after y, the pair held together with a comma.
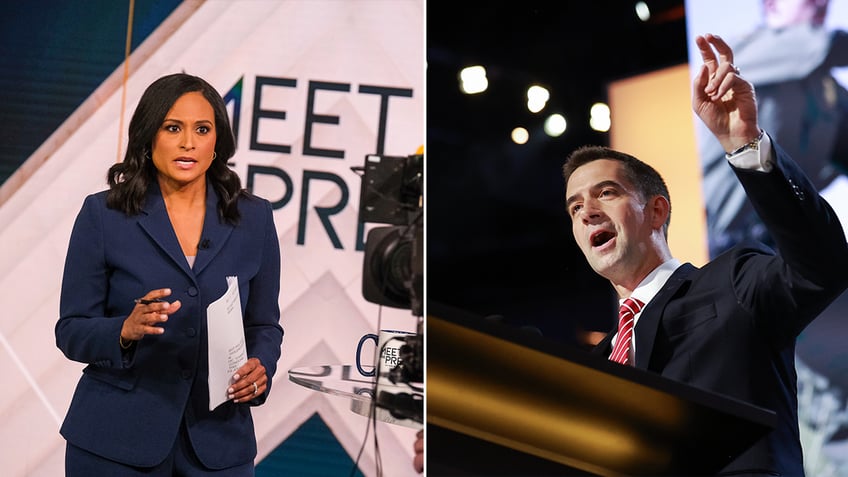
x: 146, y: 258
x: 730, y: 326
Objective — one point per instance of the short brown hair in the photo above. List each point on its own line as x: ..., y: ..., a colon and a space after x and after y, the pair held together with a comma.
x: 647, y: 181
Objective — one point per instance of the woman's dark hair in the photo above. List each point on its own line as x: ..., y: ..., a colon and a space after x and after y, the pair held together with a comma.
x: 128, y: 180
x: 643, y: 177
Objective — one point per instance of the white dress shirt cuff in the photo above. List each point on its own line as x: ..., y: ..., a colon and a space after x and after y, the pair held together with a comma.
x: 760, y: 158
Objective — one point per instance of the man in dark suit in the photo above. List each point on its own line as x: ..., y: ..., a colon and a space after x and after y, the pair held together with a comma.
x: 728, y: 327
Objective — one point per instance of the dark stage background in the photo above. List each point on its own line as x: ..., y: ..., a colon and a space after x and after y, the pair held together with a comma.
x: 498, y: 240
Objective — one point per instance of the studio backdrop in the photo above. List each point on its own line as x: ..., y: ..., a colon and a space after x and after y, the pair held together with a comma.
x: 312, y: 87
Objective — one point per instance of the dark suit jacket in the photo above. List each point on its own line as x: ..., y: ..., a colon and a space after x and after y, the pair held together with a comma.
x: 730, y: 326
x: 129, y: 406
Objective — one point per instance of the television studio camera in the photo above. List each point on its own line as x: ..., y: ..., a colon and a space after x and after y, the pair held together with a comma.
x: 393, y: 268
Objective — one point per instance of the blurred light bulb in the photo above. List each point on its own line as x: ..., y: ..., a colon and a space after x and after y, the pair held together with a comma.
x: 473, y: 80
x: 555, y: 125
x: 643, y: 11
x: 537, y: 98
x: 520, y: 135
x: 599, y: 117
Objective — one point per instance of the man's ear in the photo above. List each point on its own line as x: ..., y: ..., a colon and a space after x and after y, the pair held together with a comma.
x: 659, y: 207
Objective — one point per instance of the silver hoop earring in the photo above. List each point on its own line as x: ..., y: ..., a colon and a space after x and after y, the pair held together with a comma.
x: 214, y: 155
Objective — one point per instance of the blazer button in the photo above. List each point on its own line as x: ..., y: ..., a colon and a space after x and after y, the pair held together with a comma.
x: 191, y: 332
x: 186, y: 374
x: 192, y: 291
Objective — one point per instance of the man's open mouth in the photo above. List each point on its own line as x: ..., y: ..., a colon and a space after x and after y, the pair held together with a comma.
x: 601, y: 237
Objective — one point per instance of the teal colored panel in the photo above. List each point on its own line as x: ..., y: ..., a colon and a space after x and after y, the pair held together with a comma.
x: 311, y: 451
x: 53, y: 55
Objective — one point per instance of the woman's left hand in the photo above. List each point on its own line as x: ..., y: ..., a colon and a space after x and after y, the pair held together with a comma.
x: 249, y: 381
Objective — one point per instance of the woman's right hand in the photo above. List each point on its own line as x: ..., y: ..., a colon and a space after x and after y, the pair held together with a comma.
x: 149, y: 312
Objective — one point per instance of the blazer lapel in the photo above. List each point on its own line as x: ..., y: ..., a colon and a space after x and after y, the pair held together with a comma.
x: 649, y: 320
x: 156, y: 223
x: 215, y: 232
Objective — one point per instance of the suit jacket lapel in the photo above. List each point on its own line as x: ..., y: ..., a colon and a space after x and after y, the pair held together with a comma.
x: 649, y: 320
x: 215, y: 232
x: 156, y: 223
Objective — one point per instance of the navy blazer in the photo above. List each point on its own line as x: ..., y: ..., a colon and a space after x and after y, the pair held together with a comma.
x: 730, y: 327
x: 128, y: 406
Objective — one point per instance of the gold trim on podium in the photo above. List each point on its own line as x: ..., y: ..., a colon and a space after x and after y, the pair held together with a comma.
x: 583, y: 412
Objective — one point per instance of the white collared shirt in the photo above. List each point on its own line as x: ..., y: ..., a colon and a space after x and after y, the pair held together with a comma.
x: 647, y: 289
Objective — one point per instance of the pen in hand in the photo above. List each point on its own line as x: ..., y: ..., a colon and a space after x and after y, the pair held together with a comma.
x: 142, y: 301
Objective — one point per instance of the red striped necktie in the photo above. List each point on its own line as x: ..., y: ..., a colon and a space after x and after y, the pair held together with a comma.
x: 626, y: 314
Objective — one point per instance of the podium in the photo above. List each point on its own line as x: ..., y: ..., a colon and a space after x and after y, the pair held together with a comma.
x: 555, y: 405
